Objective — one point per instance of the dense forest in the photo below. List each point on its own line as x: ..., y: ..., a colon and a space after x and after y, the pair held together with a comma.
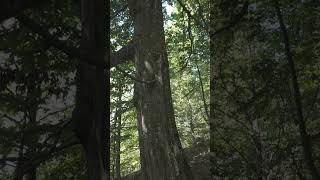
x: 159, y: 89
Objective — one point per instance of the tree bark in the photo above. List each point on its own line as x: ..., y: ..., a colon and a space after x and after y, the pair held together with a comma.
x: 161, y: 153
x: 304, y: 137
x: 90, y: 114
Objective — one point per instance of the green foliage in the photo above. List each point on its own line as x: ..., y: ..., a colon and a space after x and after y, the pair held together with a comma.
x: 68, y: 165
x: 254, y: 132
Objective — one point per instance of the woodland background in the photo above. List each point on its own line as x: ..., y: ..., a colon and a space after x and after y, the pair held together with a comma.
x: 243, y: 76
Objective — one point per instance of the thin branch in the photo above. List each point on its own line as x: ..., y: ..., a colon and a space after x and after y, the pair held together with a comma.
x: 55, y: 112
x: 195, y: 18
x: 10, y: 118
x: 132, y: 77
x: 36, y: 161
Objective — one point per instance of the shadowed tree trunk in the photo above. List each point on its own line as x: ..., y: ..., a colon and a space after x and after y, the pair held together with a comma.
x: 305, y: 139
x: 90, y: 113
x: 33, y: 90
x: 32, y: 174
x: 19, y: 168
x: 30, y: 119
x: 161, y: 154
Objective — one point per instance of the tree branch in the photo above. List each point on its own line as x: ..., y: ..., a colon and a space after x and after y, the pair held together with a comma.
x: 41, y: 156
x: 133, y: 78
x: 123, y: 55
x: 36, y: 161
x: 195, y: 18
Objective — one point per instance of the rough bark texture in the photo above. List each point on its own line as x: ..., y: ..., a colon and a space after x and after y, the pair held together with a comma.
x: 305, y: 139
x: 161, y: 154
x: 91, y: 111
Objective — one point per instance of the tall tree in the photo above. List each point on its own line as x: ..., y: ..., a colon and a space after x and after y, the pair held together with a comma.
x: 161, y: 153
x: 90, y: 113
x: 305, y: 139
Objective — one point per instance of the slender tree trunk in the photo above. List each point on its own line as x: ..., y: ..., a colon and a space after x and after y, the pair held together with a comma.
x: 206, y: 109
x: 161, y: 153
x: 191, y: 123
x: 258, y: 149
x: 19, y: 168
x: 30, y: 119
x: 32, y: 116
x: 305, y: 140
x: 113, y: 141
x: 118, y: 153
x: 118, y: 135
x: 211, y: 107
x: 90, y: 114
x: 32, y: 174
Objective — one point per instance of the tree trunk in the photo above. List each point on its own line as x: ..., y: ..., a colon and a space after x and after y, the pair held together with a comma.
x: 161, y: 154
x: 19, y: 168
x: 117, y: 149
x: 90, y: 114
x: 32, y: 116
x: 305, y: 140
x: 32, y: 174
x: 31, y: 120
x: 211, y: 107
x: 118, y: 134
